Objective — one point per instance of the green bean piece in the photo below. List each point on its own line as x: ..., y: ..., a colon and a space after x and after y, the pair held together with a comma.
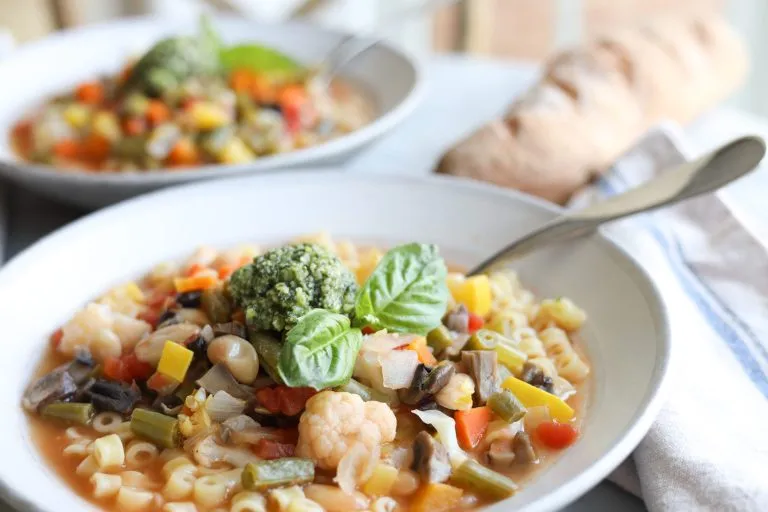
x: 156, y: 427
x: 80, y: 414
x: 484, y: 339
x: 506, y: 406
x: 216, y: 305
x: 439, y: 338
x: 505, y: 349
x: 267, y: 474
x: 366, y: 393
x: 268, y: 349
x: 481, y: 480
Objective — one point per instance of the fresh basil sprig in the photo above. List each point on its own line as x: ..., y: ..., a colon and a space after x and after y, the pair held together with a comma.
x: 407, y: 292
x: 319, y: 351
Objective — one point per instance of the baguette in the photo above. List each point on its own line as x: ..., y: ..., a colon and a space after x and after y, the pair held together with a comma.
x: 594, y: 101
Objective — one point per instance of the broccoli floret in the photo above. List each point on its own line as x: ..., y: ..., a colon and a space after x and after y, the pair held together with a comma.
x: 280, y: 286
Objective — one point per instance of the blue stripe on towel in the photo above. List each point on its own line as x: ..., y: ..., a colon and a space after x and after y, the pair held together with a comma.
x: 693, y: 287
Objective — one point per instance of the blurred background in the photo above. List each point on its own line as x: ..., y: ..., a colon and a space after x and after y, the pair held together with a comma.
x: 514, y: 29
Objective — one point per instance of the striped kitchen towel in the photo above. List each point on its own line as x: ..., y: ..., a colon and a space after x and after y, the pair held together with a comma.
x: 708, y: 449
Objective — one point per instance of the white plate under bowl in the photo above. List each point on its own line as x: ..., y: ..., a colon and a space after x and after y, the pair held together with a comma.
x: 626, y: 335
x: 37, y: 71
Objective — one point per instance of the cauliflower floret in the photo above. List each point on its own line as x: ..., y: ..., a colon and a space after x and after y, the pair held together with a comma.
x: 103, y: 331
x: 334, y: 421
x: 127, y: 299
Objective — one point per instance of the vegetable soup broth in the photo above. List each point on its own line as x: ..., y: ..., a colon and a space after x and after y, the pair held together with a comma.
x: 459, y: 469
x: 224, y: 106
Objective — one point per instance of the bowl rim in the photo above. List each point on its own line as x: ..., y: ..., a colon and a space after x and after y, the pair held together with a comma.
x: 567, y: 491
x: 379, y: 126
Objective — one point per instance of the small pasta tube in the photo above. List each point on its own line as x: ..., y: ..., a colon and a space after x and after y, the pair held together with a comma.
x: 79, y: 448
x: 87, y: 467
x: 139, y: 454
x: 138, y: 480
x: 174, y: 464
x: 248, y: 502
x: 282, y: 497
x: 108, y: 451
x: 180, y: 484
x: 124, y: 431
x: 304, y: 505
x: 130, y: 499
x: 73, y: 433
x: 210, y: 491
x: 184, y: 506
x: 105, y: 485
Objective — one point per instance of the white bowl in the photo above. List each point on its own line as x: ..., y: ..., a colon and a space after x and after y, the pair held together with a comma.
x: 626, y: 335
x: 39, y: 70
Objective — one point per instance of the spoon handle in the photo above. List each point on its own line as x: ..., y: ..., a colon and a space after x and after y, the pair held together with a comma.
x: 690, y: 179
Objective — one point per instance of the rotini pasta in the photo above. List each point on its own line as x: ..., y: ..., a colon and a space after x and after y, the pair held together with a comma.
x: 568, y: 363
x: 561, y: 312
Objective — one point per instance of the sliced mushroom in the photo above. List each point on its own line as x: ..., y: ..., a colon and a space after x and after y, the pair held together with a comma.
x: 430, y: 459
x: 107, y: 395
x: 208, y: 453
x: 57, y: 385
x: 237, y: 355
x: 483, y: 367
x: 192, y: 316
x: 457, y: 319
x: 235, y: 328
x: 535, y: 376
x: 523, y: 448
x: 426, y: 383
x: 150, y: 348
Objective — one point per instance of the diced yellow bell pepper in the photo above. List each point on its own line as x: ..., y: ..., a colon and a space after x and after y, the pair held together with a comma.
x: 174, y: 361
x: 105, y: 123
x: 436, y: 498
x: 369, y: 259
x: 208, y: 116
x: 531, y: 396
x: 77, y: 115
x: 474, y: 292
x: 236, y: 152
x: 381, y: 481
x: 134, y: 292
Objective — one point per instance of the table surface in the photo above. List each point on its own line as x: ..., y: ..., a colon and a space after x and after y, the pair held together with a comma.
x: 462, y: 94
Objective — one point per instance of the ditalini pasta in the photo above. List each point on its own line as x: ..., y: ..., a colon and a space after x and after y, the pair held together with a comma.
x: 205, y: 386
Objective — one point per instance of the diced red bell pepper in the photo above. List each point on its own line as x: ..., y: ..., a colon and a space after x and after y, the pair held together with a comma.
x: 284, y: 400
x: 475, y: 323
x: 557, y: 435
x: 126, y: 368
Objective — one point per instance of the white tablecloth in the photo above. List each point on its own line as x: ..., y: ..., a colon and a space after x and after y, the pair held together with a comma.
x: 462, y: 94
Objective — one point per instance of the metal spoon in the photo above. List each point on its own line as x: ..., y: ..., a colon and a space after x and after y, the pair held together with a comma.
x: 345, y: 50
x: 705, y: 174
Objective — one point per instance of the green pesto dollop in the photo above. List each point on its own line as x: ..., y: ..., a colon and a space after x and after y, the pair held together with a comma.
x: 281, y: 285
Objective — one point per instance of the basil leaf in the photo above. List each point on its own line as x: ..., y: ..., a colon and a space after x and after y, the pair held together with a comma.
x: 319, y: 351
x: 258, y: 58
x: 406, y: 292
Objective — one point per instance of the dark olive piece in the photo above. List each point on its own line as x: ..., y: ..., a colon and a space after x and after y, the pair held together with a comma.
x: 189, y: 299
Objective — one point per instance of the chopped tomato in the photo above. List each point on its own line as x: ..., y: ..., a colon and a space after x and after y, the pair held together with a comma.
x: 193, y: 269
x: 150, y: 316
x: 239, y: 316
x: 162, y: 384
x: 114, y: 370
x: 134, y: 126
x: 225, y: 271
x: 66, y: 148
x: 284, y: 400
x: 90, y: 92
x: 158, y: 298
x: 136, y: 369
x: 269, y: 450
x: 368, y: 330
x: 476, y: 322
x: 22, y: 135
x: 157, y: 112
x: 557, y: 435
x: 292, y: 115
x: 95, y: 148
x: 56, y: 338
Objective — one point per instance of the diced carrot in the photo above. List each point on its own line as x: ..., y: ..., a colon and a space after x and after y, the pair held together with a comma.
x: 225, y: 271
x: 56, y: 338
x: 157, y: 112
x: 291, y: 95
x: 184, y: 153
x: 95, y: 148
x: 262, y: 90
x: 241, y: 80
x: 161, y: 383
x: 419, y: 345
x: 196, y: 282
x: 66, y: 148
x: 134, y: 126
x: 557, y: 435
x: 269, y: 450
x: 90, y: 92
x: 471, y: 425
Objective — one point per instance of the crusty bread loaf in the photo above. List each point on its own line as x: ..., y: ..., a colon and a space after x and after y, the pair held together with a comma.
x: 594, y: 101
